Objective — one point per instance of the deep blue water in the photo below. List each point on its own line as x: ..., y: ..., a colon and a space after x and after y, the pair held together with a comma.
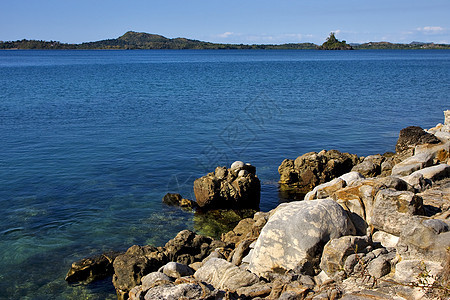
x: 92, y: 140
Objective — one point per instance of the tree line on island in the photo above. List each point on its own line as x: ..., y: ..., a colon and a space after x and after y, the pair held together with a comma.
x: 140, y: 40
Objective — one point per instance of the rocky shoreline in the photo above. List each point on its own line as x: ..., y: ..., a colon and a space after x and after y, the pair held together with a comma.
x: 375, y: 227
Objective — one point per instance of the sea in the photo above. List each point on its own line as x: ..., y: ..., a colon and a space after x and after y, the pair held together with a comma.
x: 90, y: 141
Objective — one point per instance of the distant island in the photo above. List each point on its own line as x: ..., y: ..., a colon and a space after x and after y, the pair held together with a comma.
x: 332, y: 43
x: 141, y: 40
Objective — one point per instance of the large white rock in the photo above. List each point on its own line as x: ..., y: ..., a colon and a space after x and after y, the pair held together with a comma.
x: 296, y: 231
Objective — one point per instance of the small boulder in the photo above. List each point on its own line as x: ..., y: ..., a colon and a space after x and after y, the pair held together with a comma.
x: 237, y: 165
x: 337, y: 250
x: 176, y: 270
x: 413, y: 163
x: 172, y: 199
x: 379, y: 267
x: 408, y: 271
x: 225, y: 275
x: 241, y: 250
x: 234, y: 188
x: 387, y: 240
x: 351, y: 177
x: 325, y: 190
x: 188, y: 247
x: 427, y: 239
x: 370, y: 166
x: 248, y: 228
x: 433, y: 173
x: 188, y: 291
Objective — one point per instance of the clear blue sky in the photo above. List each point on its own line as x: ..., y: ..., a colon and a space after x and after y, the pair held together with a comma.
x: 232, y: 21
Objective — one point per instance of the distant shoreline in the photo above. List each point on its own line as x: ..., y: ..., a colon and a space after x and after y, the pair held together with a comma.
x: 145, y: 41
x: 271, y: 49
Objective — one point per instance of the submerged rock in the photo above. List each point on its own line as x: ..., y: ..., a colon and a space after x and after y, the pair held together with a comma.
x: 234, y: 188
x: 92, y: 268
x: 215, y: 222
x: 178, y: 200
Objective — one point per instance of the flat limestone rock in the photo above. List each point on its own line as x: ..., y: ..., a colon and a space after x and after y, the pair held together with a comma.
x: 393, y: 210
x: 433, y: 173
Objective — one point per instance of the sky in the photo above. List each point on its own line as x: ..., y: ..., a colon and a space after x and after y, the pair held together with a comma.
x: 232, y: 21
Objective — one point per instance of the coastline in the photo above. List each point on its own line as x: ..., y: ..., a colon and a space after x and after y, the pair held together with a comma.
x: 391, y: 228
x: 99, y: 187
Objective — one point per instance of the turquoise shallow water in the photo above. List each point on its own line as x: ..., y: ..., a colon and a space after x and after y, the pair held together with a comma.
x: 91, y: 140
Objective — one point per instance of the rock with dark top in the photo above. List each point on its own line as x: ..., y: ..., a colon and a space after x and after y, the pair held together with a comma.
x: 412, y: 136
x: 92, y: 268
x: 234, y: 188
x: 312, y: 169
